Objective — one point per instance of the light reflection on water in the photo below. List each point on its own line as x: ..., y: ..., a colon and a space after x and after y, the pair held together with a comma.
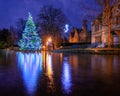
x: 49, y: 71
x: 66, y: 77
x: 59, y: 74
x: 104, y: 65
x: 30, y: 65
x: 47, y: 63
x: 49, y: 66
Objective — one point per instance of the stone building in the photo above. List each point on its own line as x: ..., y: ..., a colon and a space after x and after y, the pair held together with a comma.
x: 80, y: 35
x: 100, y: 30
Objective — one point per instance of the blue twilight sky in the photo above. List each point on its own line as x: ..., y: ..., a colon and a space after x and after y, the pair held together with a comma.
x: 75, y: 10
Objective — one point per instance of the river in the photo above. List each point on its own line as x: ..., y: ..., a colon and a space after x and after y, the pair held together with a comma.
x: 58, y: 74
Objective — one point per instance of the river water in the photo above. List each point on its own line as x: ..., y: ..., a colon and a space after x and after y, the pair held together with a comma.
x: 59, y: 74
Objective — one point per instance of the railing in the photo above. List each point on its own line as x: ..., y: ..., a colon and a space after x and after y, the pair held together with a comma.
x: 75, y: 45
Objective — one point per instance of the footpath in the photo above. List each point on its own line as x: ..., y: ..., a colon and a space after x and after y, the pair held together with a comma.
x: 90, y: 50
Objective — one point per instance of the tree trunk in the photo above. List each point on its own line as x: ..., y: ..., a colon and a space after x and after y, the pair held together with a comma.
x: 109, y: 34
x: 108, y: 13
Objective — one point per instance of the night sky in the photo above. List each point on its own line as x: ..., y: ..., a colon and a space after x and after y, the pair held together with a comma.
x: 75, y: 10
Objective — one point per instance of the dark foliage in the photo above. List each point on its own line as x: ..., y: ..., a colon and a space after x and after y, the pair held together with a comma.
x: 5, y: 38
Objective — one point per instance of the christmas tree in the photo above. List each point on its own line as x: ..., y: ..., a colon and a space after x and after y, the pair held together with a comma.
x: 30, y: 39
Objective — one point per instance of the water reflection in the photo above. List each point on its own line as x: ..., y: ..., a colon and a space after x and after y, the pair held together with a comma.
x: 104, y: 65
x: 54, y: 74
x: 116, y: 62
x: 66, y: 77
x: 49, y: 67
x: 47, y: 63
x: 30, y: 65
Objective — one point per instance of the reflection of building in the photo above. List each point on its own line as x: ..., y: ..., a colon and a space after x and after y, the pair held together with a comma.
x: 100, y: 29
x: 74, y: 60
x: 80, y: 35
x: 104, y: 65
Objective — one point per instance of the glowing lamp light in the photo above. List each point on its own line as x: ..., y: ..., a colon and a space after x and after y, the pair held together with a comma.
x: 47, y: 43
x: 49, y: 39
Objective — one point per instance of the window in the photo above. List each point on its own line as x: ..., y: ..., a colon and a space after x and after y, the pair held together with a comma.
x: 117, y: 20
x: 98, y: 39
x: 119, y: 6
x: 96, y: 27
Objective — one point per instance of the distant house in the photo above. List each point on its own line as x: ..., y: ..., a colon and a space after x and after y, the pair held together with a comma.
x: 100, y: 30
x: 80, y: 35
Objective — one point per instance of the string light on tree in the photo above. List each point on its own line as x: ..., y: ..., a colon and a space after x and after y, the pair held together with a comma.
x: 30, y: 39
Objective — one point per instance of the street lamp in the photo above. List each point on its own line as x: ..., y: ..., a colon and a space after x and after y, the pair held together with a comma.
x: 49, y: 39
x: 49, y: 42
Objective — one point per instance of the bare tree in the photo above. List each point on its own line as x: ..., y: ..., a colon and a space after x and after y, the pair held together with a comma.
x: 13, y: 34
x: 51, y: 22
x: 20, y: 27
x: 89, y: 9
x: 107, y: 7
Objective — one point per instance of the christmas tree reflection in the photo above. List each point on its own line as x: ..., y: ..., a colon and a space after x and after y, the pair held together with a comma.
x: 30, y: 65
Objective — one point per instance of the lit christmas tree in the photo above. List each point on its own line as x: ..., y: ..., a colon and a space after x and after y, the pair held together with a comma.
x: 30, y: 39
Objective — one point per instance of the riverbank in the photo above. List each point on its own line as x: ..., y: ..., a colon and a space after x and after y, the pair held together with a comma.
x: 90, y: 50
x: 18, y: 50
x: 109, y: 51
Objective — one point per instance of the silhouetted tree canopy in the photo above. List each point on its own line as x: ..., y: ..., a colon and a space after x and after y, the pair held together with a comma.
x: 51, y: 22
x: 20, y: 27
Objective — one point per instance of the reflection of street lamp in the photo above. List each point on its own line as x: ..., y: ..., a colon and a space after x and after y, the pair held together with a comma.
x: 43, y: 47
